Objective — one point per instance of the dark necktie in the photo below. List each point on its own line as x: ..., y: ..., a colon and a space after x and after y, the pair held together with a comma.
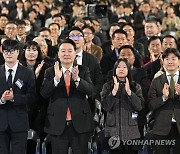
x: 172, y: 86
x: 67, y: 81
x: 9, y: 81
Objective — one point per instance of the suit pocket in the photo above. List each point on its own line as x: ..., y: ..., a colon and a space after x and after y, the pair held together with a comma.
x: 111, y: 118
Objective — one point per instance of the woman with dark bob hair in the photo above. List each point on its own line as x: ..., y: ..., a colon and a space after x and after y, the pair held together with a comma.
x: 122, y: 98
x: 31, y: 58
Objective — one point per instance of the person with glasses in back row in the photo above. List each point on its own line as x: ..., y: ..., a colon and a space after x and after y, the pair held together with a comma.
x: 17, y: 90
x: 90, y: 61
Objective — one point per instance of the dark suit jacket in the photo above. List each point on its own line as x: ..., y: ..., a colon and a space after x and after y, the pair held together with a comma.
x: 144, y: 41
x: 92, y: 63
x: 163, y: 111
x: 107, y: 64
x: 60, y: 101
x: 13, y: 14
x: 14, y: 114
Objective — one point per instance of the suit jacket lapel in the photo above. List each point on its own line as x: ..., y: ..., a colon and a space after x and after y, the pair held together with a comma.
x: 163, y: 79
x: 179, y: 78
x: 85, y: 58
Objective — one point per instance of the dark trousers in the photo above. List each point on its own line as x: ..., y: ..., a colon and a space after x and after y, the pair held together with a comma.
x: 13, y: 142
x: 78, y: 142
x: 165, y: 149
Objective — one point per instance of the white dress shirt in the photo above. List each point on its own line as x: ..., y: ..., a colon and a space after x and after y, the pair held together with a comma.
x: 79, y: 57
x: 176, y: 77
x: 64, y: 74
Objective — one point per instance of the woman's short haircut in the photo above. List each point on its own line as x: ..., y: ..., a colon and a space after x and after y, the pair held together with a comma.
x: 28, y: 45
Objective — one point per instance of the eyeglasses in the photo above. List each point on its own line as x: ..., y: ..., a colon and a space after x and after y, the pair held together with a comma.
x: 75, y: 36
x: 9, y: 51
x: 21, y: 27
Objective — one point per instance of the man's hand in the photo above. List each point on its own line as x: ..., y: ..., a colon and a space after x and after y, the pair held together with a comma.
x: 177, y: 89
x: 75, y: 73
x: 165, y: 91
x: 8, y: 95
x: 58, y: 72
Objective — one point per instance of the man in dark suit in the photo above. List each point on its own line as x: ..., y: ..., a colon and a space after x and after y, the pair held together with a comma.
x: 164, y: 101
x: 69, y: 118
x: 119, y: 38
x: 150, y: 29
x: 88, y: 60
x: 17, y: 90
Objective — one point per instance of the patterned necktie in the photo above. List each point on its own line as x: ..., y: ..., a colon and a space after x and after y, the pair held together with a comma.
x: 9, y: 81
x: 172, y: 86
x: 67, y: 81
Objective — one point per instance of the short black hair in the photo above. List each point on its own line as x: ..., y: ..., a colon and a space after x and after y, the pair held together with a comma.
x: 127, y: 47
x: 170, y: 50
x: 89, y: 27
x: 10, y: 44
x: 169, y: 36
x: 117, y: 31
x: 153, y: 38
x: 11, y: 22
x: 76, y: 28
x: 20, y: 22
x: 44, y: 29
x: 67, y: 40
x: 57, y: 15
x: 128, y: 24
x: 4, y: 15
x: 54, y: 24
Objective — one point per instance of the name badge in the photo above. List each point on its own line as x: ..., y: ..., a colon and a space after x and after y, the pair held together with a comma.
x: 19, y: 83
x: 134, y: 115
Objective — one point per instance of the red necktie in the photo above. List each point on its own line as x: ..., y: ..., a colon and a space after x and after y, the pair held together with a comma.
x: 67, y: 81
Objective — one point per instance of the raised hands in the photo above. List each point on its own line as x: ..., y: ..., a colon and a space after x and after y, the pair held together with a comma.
x: 58, y: 71
x: 116, y: 86
x: 127, y: 87
x: 38, y: 69
x: 177, y: 89
x: 75, y: 73
x: 8, y: 95
x: 165, y: 91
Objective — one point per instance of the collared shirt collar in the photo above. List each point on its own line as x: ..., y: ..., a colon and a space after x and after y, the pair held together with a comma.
x: 64, y: 69
x: 175, y: 77
x: 14, y: 68
x: 176, y: 73
x: 80, y: 53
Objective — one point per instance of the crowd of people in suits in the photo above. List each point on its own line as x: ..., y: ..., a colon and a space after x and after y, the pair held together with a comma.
x: 58, y: 57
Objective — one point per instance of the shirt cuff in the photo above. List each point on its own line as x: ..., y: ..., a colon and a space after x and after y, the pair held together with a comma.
x: 77, y: 82
x: 56, y: 82
x: 1, y: 103
x: 164, y: 99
